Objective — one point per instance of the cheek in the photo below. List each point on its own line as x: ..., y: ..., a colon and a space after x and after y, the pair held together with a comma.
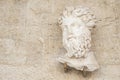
x: 65, y: 32
x: 76, y: 29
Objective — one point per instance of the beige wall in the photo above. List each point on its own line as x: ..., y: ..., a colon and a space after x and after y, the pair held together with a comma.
x: 31, y: 40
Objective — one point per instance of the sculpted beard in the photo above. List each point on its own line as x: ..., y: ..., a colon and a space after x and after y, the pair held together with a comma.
x: 74, y: 46
x: 78, y: 46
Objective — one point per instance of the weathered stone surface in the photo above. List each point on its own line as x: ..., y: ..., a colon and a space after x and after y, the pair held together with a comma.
x: 31, y: 40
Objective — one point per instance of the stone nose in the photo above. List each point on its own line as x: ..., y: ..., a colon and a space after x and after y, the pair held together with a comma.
x: 70, y: 31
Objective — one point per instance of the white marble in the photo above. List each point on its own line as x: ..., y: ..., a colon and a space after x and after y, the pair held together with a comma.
x: 77, y: 24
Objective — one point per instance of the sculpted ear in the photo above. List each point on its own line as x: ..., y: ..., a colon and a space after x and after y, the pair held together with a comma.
x: 60, y: 21
x: 91, y: 23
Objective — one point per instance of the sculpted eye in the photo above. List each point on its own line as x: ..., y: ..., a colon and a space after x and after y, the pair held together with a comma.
x: 73, y: 24
x: 65, y: 26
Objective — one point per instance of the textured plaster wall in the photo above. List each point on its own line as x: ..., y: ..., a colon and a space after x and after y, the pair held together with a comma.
x: 31, y: 40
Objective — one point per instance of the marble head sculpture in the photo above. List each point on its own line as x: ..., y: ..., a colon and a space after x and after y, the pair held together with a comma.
x: 76, y: 24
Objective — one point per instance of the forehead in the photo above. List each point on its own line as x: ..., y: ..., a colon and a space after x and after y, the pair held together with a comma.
x: 70, y: 20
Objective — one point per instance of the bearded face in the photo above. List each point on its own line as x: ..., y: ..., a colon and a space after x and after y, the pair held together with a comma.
x: 74, y: 33
x: 76, y: 24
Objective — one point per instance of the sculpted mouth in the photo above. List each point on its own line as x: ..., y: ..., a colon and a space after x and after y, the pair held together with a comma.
x: 71, y: 37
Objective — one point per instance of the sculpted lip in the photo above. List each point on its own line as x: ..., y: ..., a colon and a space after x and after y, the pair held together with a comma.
x: 71, y: 37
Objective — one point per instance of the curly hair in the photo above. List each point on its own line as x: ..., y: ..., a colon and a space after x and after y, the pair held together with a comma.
x: 83, y: 13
